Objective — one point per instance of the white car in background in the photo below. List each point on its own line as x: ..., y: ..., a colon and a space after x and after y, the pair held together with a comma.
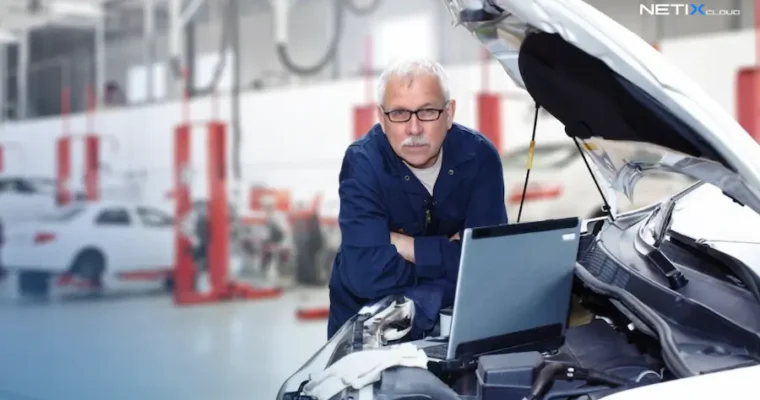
x: 559, y: 185
x: 23, y: 198
x: 94, y: 242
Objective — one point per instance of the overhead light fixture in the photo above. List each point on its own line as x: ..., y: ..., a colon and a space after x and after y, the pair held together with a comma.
x: 7, y: 37
x: 73, y: 8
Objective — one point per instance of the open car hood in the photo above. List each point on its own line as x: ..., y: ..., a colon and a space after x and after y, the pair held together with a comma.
x: 629, y: 108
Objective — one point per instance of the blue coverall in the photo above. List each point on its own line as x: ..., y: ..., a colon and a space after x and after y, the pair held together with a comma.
x: 379, y: 194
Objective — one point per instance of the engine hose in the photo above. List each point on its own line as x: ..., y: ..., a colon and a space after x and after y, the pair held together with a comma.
x: 552, y: 371
x: 332, y: 50
x: 362, y: 11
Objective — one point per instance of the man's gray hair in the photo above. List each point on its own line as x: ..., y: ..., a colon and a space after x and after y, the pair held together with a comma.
x: 411, y: 69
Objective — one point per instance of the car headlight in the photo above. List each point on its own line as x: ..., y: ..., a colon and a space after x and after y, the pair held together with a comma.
x: 373, y: 326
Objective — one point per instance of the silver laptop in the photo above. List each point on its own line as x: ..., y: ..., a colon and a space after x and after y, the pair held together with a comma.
x: 514, y: 287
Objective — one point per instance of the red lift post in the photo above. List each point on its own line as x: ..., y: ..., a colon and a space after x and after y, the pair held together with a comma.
x: 488, y: 104
x: 748, y: 88
x: 222, y: 287
x: 92, y: 152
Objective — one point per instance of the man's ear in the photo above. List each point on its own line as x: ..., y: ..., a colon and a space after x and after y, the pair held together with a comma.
x: 380, y: 118
x: 450, y: 113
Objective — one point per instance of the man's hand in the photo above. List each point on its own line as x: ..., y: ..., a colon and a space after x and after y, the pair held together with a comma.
x: 455, y: 237
x: 404, y: 245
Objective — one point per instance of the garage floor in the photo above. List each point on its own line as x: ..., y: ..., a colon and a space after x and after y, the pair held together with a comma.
x: 144, y: 347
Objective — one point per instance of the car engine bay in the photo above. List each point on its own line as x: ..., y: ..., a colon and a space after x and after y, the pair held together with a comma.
x: 615, y: 339
x: 601, y: 355
x: 598, y: 358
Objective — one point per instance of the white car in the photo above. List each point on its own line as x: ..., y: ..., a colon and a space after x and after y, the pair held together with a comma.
x: 559, y: 184
x: 93, y: 241
x: 666, y: 298
x: 24, y: 198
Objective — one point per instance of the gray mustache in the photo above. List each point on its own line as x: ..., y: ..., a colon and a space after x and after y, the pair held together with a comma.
x: 415, y: 141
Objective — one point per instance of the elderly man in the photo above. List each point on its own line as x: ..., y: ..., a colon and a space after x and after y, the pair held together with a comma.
x: 408, y: 189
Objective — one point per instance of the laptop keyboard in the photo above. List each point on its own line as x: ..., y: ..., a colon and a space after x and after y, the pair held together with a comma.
x: 437, y: 352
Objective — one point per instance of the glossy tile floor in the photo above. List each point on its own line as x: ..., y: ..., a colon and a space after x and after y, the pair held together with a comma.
x: 143, y: 347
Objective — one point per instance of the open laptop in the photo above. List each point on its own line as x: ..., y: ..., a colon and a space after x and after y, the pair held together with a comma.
x: 513, y: 291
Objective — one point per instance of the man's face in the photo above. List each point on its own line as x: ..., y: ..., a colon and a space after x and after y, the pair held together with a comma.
x: 418, y: 139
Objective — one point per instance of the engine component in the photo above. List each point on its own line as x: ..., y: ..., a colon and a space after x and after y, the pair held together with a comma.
x: 414, y: 383
x: 507, y: 376
x: 530, y: 376
x: 593, y: 354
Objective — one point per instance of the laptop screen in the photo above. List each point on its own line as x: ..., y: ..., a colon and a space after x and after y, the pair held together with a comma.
x: 514, y: 285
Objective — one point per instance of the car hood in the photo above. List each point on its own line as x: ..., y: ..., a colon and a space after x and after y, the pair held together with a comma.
x: 630, y: 110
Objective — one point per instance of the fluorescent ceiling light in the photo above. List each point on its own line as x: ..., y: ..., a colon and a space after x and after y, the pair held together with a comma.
x: 73, y: 8
x: 7, y: 37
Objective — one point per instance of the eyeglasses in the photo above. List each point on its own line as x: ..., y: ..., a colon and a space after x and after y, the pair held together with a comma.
x: 423, y: 114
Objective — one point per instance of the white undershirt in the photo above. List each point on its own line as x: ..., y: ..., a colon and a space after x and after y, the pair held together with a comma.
x: 428, y: 175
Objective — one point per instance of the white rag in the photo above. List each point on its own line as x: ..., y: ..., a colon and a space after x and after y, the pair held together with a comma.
x: 357, y: 370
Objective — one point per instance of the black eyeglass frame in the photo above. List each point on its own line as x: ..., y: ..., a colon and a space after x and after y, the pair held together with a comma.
x: 415, y: 113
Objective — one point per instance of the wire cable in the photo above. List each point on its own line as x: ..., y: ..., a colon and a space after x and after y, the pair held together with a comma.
x: 175, y: 64
x: 221, y: 63
x: 531, y: 152
x: 362, y: 11
x: 332, y: 49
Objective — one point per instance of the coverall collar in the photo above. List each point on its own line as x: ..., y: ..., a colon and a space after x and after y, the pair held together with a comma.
x: 456, y: 152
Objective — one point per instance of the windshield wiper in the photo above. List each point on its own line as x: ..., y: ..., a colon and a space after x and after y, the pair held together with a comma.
x: 664, y: 213
x: 676, y: 279
x: 736, y: 267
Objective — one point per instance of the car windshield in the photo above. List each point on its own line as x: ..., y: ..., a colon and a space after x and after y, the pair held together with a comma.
x: 629, y: 167
x: 634, y: 168
x: 706, y: 215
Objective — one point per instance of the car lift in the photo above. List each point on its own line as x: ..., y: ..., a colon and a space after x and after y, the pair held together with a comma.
x: 310, y: 312
x: 91, y: 166
x: 222, y: 288
x: 91, y: 153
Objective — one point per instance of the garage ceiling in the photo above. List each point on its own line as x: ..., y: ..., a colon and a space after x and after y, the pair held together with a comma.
x: 20, y: 15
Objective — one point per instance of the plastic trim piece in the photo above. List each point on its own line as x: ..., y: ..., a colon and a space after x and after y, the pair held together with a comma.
x: 670, y: 355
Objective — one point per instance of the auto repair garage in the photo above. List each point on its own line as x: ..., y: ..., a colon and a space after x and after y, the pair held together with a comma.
x: 174, y: 183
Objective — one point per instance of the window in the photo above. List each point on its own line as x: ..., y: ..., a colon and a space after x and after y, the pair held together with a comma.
x: 642, y: 155
x: 25, y: 187
x: 137, y: 83
x: 403, y: 38
x: 113, y: 216
x: 66, y: 214
x: 153, y: 217
x: 554, y: 156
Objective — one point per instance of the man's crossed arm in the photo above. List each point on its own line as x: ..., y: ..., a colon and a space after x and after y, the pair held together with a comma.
x: 376, y: 262
x: 405, y: 245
